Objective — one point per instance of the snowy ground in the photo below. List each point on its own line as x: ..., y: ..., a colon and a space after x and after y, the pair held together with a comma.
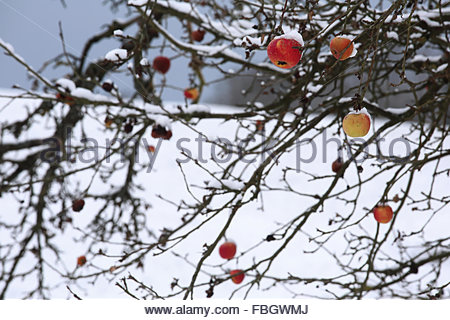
x: 251, y: 224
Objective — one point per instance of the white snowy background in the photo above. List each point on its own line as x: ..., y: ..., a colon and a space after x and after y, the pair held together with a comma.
x: 249, y: 228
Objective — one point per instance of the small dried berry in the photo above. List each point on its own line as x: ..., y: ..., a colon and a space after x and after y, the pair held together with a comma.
x: 77, y: 205
x: 198, y: 35
x: 65, y: 99
x: 337, y: 165
x: 128, y: 128
x: 259, y: 125
x: 107, y: 86
x: 81, y: 261
x: 413, y: 268
x: 108, y: 122
x: 159, y: 131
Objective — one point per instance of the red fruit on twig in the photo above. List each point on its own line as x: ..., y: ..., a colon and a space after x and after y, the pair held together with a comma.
x: 159, y: 131
x: 77, y: 205
x: 107, y: 86
x: 198, y: 35
x: 383, y: 213
x: 65, y: 99
x: 336, y: 165
x: 227, y: 250
x: 284, y: 53
x: 259, y: 125
x: 81, y: 261
x: 161, y: 64
x: 191, y: 93
x: 237, y: 276
x: 341, y: 48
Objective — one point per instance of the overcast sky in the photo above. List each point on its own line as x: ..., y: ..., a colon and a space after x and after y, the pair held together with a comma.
x: 32, y: 28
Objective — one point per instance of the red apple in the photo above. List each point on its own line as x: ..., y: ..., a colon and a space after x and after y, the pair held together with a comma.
x: 107, y: 86
x: 161, y: 64
x: 198, y: 35
x: 337, y: 165
x: 259, y: 125
x: 356, y: 124
x: 338, y: 48
x: 77, y: 205
x: 237, y: 276
x: 81, y: 261
x: 383, y: 213
x: 158, y: 131
x: 284, y: 53
x: 227, y: 250
x: 191, y: 93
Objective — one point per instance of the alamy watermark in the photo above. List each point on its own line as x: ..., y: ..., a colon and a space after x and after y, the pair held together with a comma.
x: 221, y: 150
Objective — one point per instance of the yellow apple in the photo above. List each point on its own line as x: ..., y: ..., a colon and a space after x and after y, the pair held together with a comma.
x: 356, y: 124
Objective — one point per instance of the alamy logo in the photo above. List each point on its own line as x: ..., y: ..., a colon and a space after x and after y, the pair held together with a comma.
x: 221, y: 150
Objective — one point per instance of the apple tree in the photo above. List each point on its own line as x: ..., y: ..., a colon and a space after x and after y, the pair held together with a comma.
x: 328, y: 176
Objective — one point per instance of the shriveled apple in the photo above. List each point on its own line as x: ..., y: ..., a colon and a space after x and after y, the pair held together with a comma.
x: 81, y: 261
x: 337, y: 165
